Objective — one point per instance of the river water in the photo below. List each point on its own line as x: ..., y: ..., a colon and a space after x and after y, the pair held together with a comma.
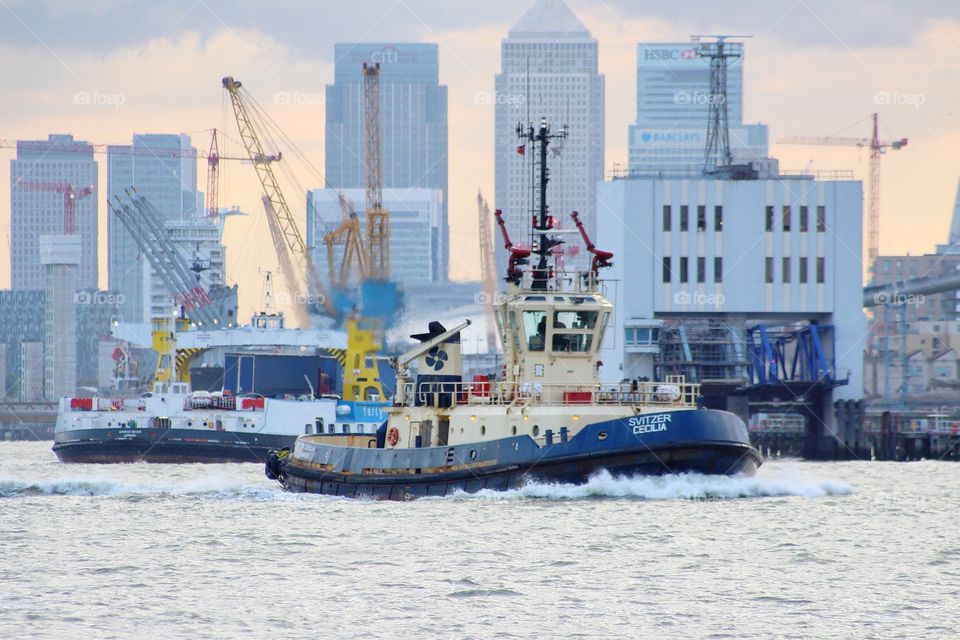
x: 802, y: 550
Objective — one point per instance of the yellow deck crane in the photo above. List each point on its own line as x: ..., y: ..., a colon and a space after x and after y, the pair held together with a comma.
x: 347, y: 235
x: 271, y: 190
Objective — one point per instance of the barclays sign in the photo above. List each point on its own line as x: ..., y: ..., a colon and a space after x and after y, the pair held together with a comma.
x: 670, y: 137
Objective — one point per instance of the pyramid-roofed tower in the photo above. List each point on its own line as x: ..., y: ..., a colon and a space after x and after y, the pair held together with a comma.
x: 551, y: 19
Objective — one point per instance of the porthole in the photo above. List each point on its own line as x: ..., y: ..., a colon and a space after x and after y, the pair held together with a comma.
x: 483, y: 429
x: 514, y: 429
x: 473, y: 454
x: 602, y: 435
x: 536, y: 430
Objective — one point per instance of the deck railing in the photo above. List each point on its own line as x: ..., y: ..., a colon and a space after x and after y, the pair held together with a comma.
x: 451, y: 394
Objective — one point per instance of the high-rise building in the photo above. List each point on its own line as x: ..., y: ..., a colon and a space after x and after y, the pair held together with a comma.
x: 41, y: 179
x: 548, y: 69
x: 414, y: 125
x: 169, y: 182
x: 60, y: 256
x: 415, y: 215
x: 673, y: 104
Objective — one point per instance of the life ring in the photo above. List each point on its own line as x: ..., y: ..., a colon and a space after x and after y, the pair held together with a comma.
x: 393, y: 436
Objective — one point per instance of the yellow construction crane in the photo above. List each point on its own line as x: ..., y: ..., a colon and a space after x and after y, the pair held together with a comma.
x: 488, y: 271
x: 877, y: 147
x: 378, y: 218
x: 271, y: 190
x: 347, y: 235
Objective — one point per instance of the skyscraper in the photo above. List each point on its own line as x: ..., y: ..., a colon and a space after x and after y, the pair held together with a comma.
x: 414, y: 125
x: 673, y: 102
x: 153, y: 166
x: 548, y: 69
x: 41, y: 179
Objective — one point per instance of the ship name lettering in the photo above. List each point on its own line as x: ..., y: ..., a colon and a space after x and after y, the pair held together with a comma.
x: 649, y: 424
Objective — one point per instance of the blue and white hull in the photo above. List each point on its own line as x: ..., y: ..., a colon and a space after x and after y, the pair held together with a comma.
x: 700, y: 440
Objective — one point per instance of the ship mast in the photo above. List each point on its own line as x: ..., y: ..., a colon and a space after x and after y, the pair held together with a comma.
x: 542, y: 222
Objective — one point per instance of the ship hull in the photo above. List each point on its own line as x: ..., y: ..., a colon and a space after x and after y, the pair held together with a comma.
x: 714, y: 460
x: 701, y: 441
x: 164, y: 446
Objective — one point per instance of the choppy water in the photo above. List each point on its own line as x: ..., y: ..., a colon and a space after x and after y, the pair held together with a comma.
x: 802, y: 550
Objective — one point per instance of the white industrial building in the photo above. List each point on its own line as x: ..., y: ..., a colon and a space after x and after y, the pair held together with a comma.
x: 713, y: 260
x: 416, y: 216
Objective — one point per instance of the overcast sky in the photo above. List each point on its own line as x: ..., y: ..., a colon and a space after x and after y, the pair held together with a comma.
x: 812, y: 68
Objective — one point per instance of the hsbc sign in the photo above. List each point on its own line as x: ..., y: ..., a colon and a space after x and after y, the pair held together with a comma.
x: 664, y: 54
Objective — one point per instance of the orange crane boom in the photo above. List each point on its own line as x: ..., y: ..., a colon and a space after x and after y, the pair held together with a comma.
x: 877, y: 147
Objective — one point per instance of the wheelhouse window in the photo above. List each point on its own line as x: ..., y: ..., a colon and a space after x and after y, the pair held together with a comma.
x: 572, y: 342
x: 574, y: 319
x: 535, y: 329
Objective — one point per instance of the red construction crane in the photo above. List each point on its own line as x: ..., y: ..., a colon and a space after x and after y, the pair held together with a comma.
x: 70, y: 196
x: 213, y: 177
x: 876, y: 147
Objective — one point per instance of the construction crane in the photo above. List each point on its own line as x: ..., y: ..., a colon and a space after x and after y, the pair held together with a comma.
x: 262, y: 162
x: 285, y: 258
x: 70, y: 195
x: 488, y: 269
x: 378, y: 218
x: 118, y: 150
x: 347, y: 235
x: 877, y: 147
x: 213, y: 177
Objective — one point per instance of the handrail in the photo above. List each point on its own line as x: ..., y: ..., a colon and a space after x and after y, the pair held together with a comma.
x: 667, y: 394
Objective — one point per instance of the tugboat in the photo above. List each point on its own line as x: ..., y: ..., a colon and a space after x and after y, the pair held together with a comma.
x: 548, y: 419
x: 173, y: 424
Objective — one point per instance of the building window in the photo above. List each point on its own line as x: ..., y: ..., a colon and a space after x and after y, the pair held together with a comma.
x: 666, y: 217
x: 820, y: 270
x: 803, y: 271
x: 666, y: 268
x: 804, y: 218
x: 701, y: 269
x: 769, y: 222
x: 684, y: 213
x: 786, y: 217
x: 786, y: 270
x: 768, y: 277
x: 718, y: 270
x: 683, y: 269
x: 718, y: 218
x: 701, y: 217
x: 821, y: 218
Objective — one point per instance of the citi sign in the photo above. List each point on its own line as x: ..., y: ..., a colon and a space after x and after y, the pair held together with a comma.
x: 670, y: 54
x: 387, y: 55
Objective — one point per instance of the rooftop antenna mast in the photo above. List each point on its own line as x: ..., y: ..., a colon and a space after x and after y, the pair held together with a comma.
x: 720, y: 53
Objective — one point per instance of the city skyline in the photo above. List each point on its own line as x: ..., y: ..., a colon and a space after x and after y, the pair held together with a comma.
x: 845, y: 71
